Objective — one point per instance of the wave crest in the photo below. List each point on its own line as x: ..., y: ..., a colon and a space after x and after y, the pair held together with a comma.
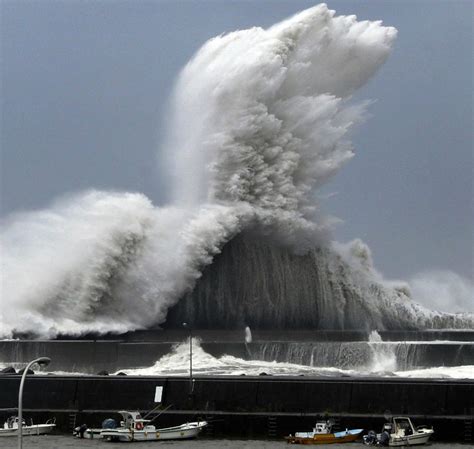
x: 260, y: 120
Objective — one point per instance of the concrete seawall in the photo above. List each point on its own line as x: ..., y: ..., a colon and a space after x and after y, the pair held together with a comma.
x: 243, y: 406
x: 143, y: 348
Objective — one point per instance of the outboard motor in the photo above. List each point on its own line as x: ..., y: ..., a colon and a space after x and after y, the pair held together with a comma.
x: 370, y: 439
x: 80, y: 430
x: 384, y: 438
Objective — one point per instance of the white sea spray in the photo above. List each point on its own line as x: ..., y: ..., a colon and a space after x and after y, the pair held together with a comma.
x: 260, y: 119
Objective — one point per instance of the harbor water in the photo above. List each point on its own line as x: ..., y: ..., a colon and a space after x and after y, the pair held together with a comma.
x: 68, y: 442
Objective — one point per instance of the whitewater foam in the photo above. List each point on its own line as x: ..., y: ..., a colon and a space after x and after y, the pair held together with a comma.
x: 177, y: 364
x: 383, y: 356
x: 260, y: 120
x: 103, y: 262
x: 274, y: 114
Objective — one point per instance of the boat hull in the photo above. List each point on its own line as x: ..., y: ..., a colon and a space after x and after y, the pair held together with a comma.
x: 411, y: 440
x: 182, y: 432
x: 39, y: 429
x: 92, y: 433
x: 323, y: 439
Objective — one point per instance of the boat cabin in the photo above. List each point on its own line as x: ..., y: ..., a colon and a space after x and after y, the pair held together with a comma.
x: 402, y: 426
x: 133, y: 420
x: 322, y: 427
x: 12, y: 423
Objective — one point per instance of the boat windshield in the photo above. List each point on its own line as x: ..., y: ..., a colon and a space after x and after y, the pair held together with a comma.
x: 323, y: 427
x: 404, y: 424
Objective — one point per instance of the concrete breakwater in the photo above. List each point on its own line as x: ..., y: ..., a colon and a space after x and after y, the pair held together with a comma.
x: 348, y: 350
x: 91, y: 357
x: 226, y: 335
x: 248, y: 406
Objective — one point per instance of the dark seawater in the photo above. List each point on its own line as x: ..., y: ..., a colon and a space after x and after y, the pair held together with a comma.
x: 69, y: 442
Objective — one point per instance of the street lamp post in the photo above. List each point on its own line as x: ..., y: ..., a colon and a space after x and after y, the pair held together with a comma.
x: 186, y: 326
x: 40, y: 361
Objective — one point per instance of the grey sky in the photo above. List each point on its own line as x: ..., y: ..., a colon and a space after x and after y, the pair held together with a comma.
x: 85, y: 85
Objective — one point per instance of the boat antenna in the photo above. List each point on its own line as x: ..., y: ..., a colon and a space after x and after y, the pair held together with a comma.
x: 162, y: 411
x: 153, y: 409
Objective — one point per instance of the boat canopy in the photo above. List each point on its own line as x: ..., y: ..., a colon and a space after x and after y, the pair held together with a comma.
x: 132, y: 417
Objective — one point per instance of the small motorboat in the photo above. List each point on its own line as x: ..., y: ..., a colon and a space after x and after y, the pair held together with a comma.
x: 10, y: 427
x: 134, y: 428
x: 322, y: 434
x: 399, y: 432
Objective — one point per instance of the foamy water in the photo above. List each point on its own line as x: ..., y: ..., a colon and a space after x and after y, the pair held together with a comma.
x: 272, y: 127
x: 177, y: 364
x: 260, y: 120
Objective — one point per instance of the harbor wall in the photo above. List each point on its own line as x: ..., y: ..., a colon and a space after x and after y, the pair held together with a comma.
x: 93, y: 356
x: 243, y: 393
x: 248, y: 402
x: 223, y: 335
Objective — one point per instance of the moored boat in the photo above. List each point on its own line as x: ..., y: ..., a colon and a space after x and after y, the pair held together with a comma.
x: 134, y: 428
x: 322, y: 434
x: 10, y: 427
x: 400, y: 431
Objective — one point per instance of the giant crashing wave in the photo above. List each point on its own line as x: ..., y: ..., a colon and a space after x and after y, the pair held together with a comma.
x: 259, y: 121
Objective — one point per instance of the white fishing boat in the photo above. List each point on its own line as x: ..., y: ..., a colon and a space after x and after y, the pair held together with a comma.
x: 135, y: 428
x: 10, y: 427
x: 399, y: 432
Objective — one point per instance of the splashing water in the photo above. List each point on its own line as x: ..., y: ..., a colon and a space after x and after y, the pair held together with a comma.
x: 248, y: 335
x: 273, y: 112
x: 443, y: 290
x: 272, y: 125
x: 383, y: 356
x: 260, y: 120
x: 103, y: 262
x: 177, y: 364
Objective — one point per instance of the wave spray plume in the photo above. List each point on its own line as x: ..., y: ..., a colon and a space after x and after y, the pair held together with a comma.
x: 260, y: 120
